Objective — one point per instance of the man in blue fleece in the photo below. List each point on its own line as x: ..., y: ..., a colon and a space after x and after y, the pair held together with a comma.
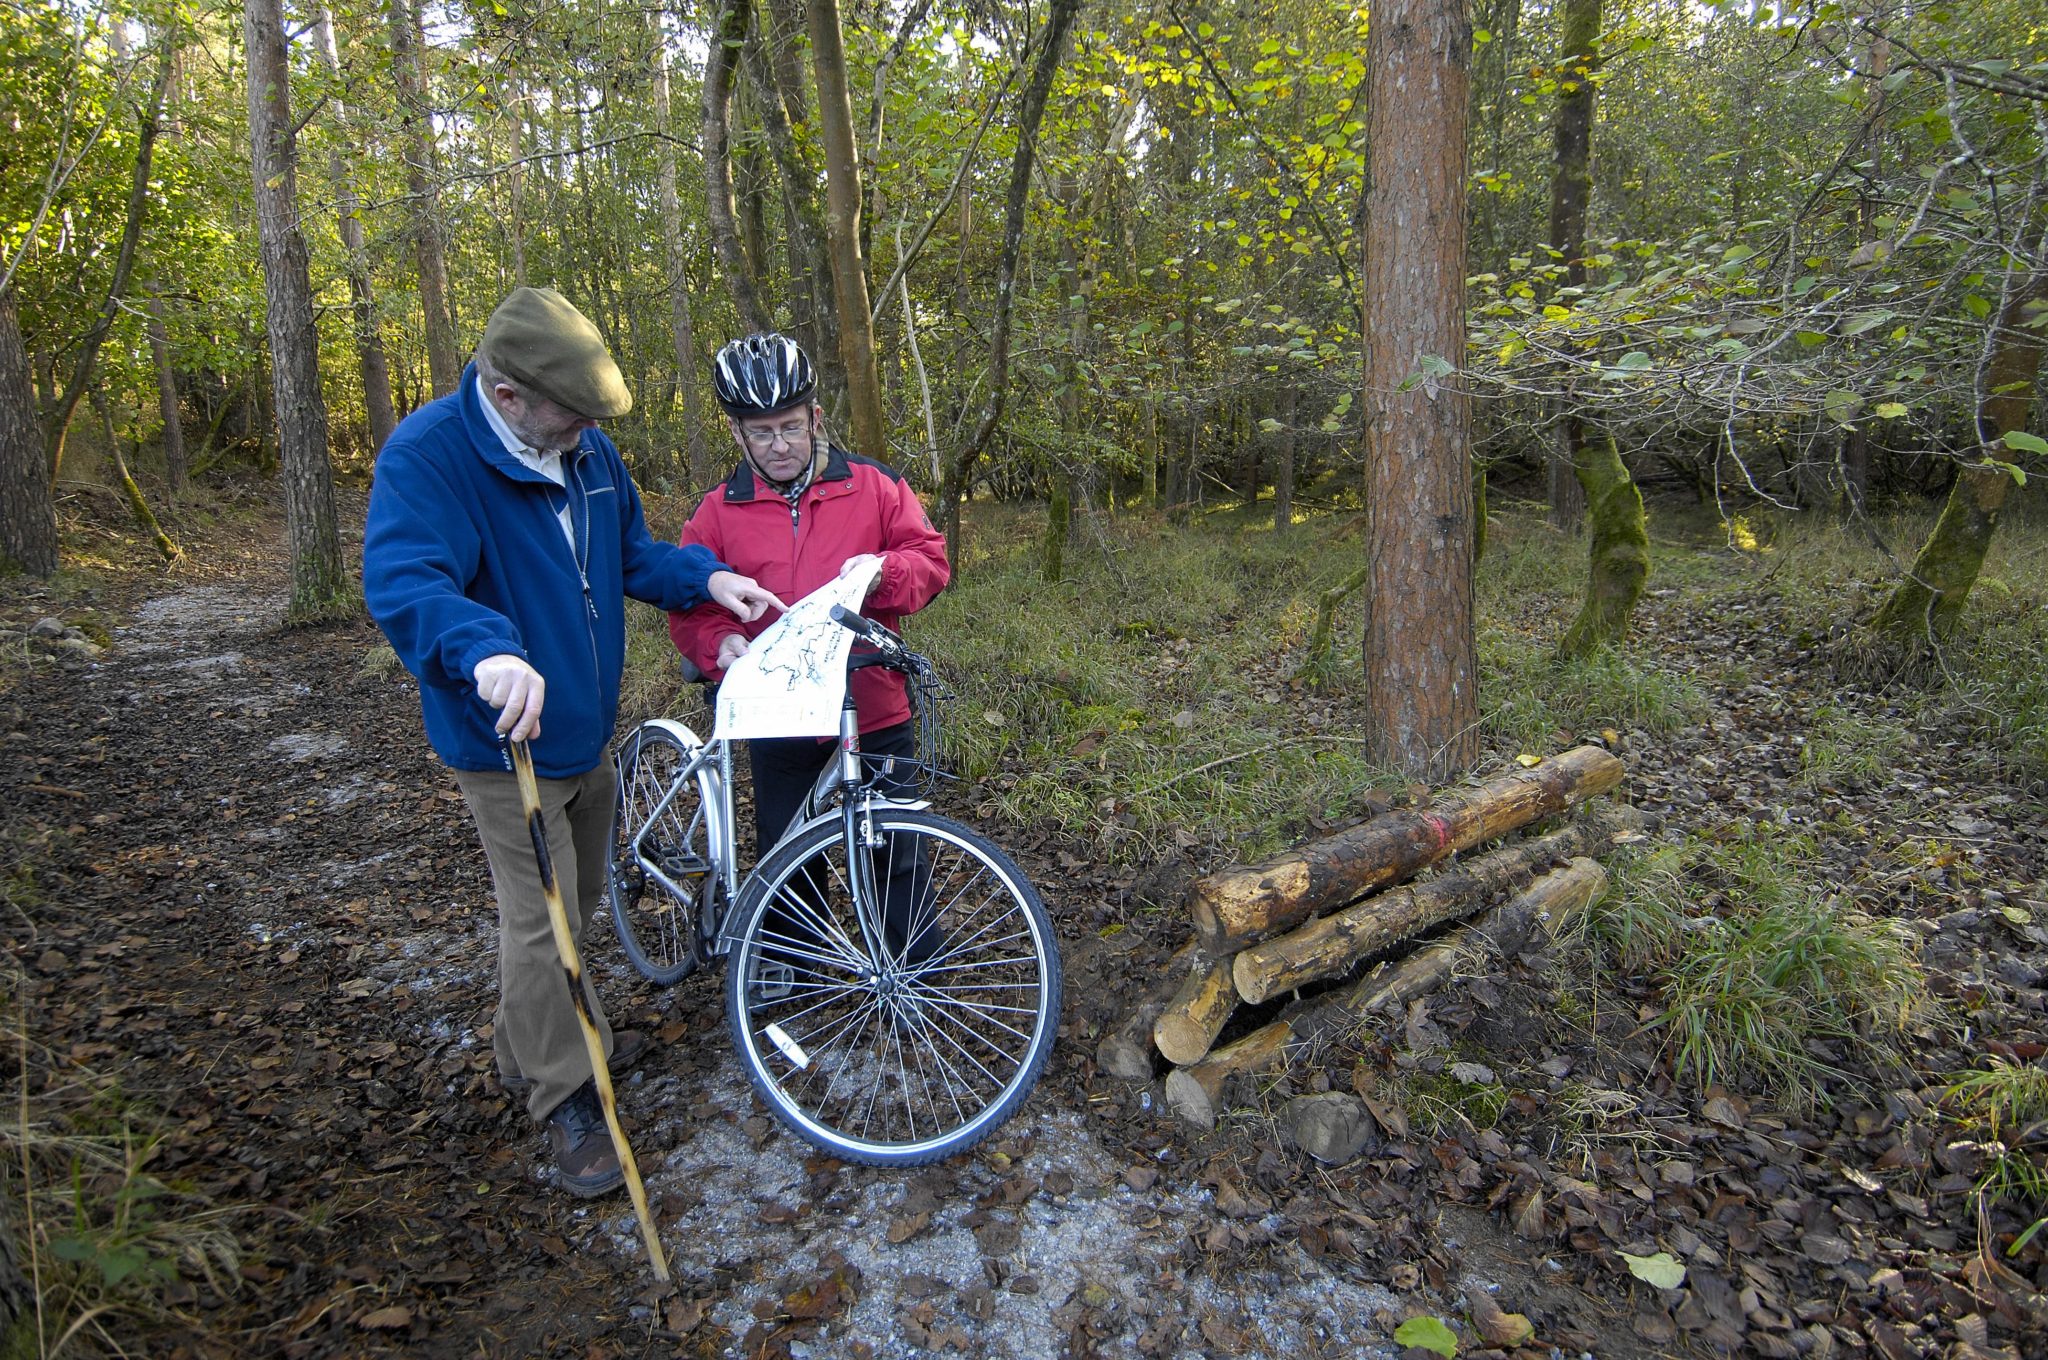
x: 503, y: 535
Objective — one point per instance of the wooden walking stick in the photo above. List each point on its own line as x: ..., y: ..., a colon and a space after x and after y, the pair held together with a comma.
x: 572, y: 966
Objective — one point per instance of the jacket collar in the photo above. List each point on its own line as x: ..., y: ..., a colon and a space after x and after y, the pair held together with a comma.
x: 743, y: 485
x: 484, y: 439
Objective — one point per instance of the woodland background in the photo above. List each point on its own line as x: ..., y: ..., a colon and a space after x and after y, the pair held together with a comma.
x: 1323, y: 402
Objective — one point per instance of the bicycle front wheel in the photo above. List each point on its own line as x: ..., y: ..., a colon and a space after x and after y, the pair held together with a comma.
x: 660, y: 869
x: 894, y: 1001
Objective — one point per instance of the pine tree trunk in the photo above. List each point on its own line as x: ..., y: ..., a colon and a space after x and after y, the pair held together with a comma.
x: 1242, y: 905
x: 1419, y: 649
x: 320, y: 582
x: 422, y: 173
x: 28, y: 516
x: 844, y: 231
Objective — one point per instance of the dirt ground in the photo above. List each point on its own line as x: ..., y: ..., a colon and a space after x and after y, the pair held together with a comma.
x: 260, y: 907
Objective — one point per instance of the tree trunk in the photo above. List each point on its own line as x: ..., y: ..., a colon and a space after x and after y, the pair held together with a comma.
x: 1283, y: 465
x: 1239, y: 906
x: 720, y: 214
x: 1058, y: 21
x: 1196, y: 1093
x: 422, y: 176
x: 1190, y: 1022
x: 320, y: 582
x: 1561, y: 472
x: 376, y: 373
x: 682, y: 335
x: 138, y: 506
x: 1419, y: 649
x: 1126, y: 1051
x: 1571, y: 188
x: 1927, y: 604
x: 167, y: 397
x: 1618, y: 558
x: 844, y: 230
x: 1552, y: 902
x: 515, y: 186
x: 779, y: 86
x: 150, y: 117
x: 1331, y: 945
x: 28, y: 517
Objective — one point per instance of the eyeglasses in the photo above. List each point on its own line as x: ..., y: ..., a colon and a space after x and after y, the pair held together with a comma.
x: 787, y: 434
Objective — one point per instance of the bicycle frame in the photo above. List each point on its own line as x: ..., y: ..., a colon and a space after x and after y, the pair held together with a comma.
x: 838, y: 791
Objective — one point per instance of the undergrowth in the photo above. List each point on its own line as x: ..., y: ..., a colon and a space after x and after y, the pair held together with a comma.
x: 110, y: 1251
x: 1765, y: 978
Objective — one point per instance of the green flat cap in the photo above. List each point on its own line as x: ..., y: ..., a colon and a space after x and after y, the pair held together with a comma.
x: 538, y: 338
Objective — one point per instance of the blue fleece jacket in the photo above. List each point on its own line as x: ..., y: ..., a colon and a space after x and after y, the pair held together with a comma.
x: 464, y: 557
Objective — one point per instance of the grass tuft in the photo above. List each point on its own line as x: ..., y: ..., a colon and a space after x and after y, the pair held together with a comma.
x: 1765, y: 979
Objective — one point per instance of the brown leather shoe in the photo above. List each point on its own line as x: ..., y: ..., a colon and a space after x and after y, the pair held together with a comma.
x: 587, y: 1165
x: 629, y: 1046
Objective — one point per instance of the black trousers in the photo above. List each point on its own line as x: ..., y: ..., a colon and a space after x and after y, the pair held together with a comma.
x: 785, y: 768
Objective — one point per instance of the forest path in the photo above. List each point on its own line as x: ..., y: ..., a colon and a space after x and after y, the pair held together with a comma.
x: 268, y: 916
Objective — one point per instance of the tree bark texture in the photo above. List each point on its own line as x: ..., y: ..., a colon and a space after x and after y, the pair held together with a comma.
x: 376, y: 372
x: 1331, y: 945
x: 1571, y: 189
x: 1551, y: 902
x: 1618, y: 557
x: 75, y: 388
x: 422, y: 175
x: 1031, y: 112
x: 1240, y: 906
x: 1126, y: 1051
x: 682, y: 334
x: 1195, y: 1015
x: 28, y: 516
x: 138, y: 504
x: 1419, y: 650
x: 778, y: 82
x: 168, y: 413
x: 1928, y: 603
x: 1196, y: 1093
x: 320, y: 583
x: 720, y: 211
x: 844, y: 231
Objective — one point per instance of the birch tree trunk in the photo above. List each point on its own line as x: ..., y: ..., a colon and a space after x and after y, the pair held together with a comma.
x: 1420, y: 666
x: 320, y: 583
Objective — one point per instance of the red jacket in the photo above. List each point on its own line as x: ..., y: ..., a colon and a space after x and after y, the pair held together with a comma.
x: 854, y: 506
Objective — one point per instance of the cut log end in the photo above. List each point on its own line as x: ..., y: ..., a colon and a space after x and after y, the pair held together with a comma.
x: 1196, y: 1014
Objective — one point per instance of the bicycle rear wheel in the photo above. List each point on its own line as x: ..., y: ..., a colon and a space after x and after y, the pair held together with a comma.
x: 894, y: 1006
x: 659, y: 833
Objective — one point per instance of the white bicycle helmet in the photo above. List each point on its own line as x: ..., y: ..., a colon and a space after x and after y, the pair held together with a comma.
x: 762, y: 374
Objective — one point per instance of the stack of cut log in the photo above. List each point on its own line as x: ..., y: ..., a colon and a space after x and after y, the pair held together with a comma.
x: 1310, y: 916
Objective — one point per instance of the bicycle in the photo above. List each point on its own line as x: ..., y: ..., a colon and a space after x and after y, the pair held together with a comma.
x: 893, y: 981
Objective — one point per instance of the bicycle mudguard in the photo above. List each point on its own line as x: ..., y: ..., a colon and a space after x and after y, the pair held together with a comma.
x: 679, y: 731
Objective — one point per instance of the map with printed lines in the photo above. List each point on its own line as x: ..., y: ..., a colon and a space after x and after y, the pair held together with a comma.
x: 792, y: 680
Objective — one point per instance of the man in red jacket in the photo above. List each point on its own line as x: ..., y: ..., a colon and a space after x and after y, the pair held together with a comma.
x: 796, y: 512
